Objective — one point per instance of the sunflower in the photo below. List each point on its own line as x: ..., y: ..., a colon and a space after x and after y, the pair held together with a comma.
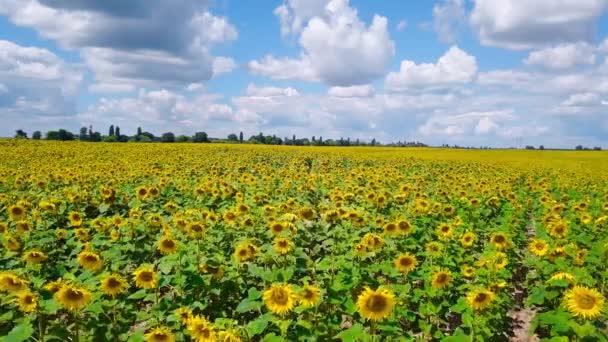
x: 245, y: 252
x: 61, y: 234
x: 160, y: 334
x: 279, y: 299
x: 11, y: 283
x: 113, y: 285
x: 499, y: 261
x: 310, y: 296
x: 90, y: 261
x: 480, y: 299
x: 27, y: 301
x: 441, y: 279
x: 563, y: 276
x: 166, y: 245
x: 499, y: 240
x: 467, y: 271
x: 580, y: 256
x: 434, y: 248
x: 405, y: 227
x: 17, y: 212
x: 34, y: 257
x: 584, y: 302
x: 372, y: 241
x: 277, y: 228
x: 444, y: 231
x: 141, y: 192
x: 73, y: 297
x: 201, y: 329
x: 184, y: 314
x: 23, y: 226
x: 375, y: 305
x: 538, y: 247
x: 196, y: 229
x: 53, y: 286
x: 282, y: 245
x: 391, y: 228
x: 558, y: 229
x: 145, y: 277
x: 75, y: 218
x: 12, y: 243
x: 82, y: 234
x: 230, y: 217
x: 228, y: 336
x: 468, y: 239
x: 406, y: 262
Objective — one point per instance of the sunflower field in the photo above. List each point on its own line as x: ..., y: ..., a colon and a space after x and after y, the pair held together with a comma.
x: 214, y: 242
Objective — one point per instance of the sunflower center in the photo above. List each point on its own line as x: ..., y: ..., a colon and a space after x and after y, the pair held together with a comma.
x: 146, y: 276
x: 499, y: 239
x: 113, y: 283
x: 481, y: 297
x: 168, y: 243
x: 28, y: 299
x: 280, y: 297
x: 445, y: 229
x: 442, y: 278
x: 405, y: 261
x: 73, y: 295
x: 308, y: 294
x: 376, y: 303
x: 283, y: 244
x: 90, y: 258
x: 243, y: 252
x: 586, y: 302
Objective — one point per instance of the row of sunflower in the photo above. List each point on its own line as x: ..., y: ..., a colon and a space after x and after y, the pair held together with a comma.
x: 105, y: 242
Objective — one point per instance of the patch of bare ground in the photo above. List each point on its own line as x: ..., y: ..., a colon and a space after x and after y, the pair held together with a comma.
x: 521, y: 317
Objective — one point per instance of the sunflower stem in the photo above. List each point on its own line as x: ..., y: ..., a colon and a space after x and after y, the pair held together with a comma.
x: 40, y: 327
x: 372, y: 329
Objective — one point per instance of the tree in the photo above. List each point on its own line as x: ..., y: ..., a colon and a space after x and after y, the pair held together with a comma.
x: 597, y: 148
x: 83, y: 136
x: 20, y: 134
x: 579, y: 147
x: 36, y: 135
x: 111, y: 131
x: 232, y: 137
x: 541, y: 147
x: 200, y: 137
x: 149, y: 135
x: 61, y: 134
x: 117, y: 132
x: 95, y: 137
x: 168, y: 137
x: 182, y: 138
x: 241, y: 137
x: 374, y: 142
x: 110, y: 139
x: 293, y: 139
x: 139, y: 131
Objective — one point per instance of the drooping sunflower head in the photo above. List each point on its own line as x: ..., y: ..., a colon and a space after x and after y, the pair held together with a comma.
x: 145, y: 277
x: 196, y: 229
x: 310, y: 296
x: 11, y: 283
x: 373, y: 241
x: 563, y: 276
x: 538, y: 247
x: 245, y: 251
x: 160, y: 334
x: 480, y: 299
x: 375, y: 305
x: 90, y: 261
x: 73, y: 297
x: 584, y: 302
x: 201, y: 329
x: 282, y: 245
x: 113, y: 285
x: 27, y: 301
x: 441, y: 279
x: 34, y: 257
x: 166, y: 245
x: 279, y: 298
x: 406, y: 262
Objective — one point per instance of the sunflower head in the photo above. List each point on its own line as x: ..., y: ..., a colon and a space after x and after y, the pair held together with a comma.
x: 279, y: 298
x: 11, y: 283
x: 375, y: 305
x: 145, y: 277
x: 538, y: 247
x: 310, y: 296
x: 27, y: 301
x: 406, y: 262
x: 34, y: 257
x: 467, y: 239
x: 160, y: 334
x: 391, y: 228
x: 17, y: 212
x: 405, y: 227
x: 480, y: 299
x: 499, y: 240
x: 73, y: 297
x: 282, y: 245
x: 75, y: 218
x: 166, y: 245
x: 441, y: 279
x: 201, y: 329
x: 183, y: 314
x: 90, y: 261
x: 113, y: 285
x: 584, y: 302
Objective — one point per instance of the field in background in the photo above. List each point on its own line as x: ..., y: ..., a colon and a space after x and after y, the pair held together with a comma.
x: 164, y: 242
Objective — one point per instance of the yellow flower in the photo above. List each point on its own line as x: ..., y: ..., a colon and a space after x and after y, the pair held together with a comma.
x: 584, y: 302
x: 499, y: 240
x: 444, y: 231
x: 245, y: 252
x: 558, y: 229
x: 90, y: 261
x: 184, y: 314
x: 141, y: 192
x: 405, y: 227
x: 406, y: 262
x: 27, y: 301
x: 391, y: 228
x: 563, y: 276
x: 441, y: 279
x: 310, y: 296
x: 166, y: 245
x: 34, y: 257
x: 375, y: 305
x: 75, y: 218
x: 480, y: 299
x: 73, y: 297
x: 17, y: 212
x: 113, y: 285
x: 467, y: 271
x: 201, y: 329
x: 160, y: 334
x: 145, y: 277
x: 279, y: 298
x: 282, y: 245
x: 11, y: 283
x: 538, y: 247
x: 54, y: 285
x: 228, y: 336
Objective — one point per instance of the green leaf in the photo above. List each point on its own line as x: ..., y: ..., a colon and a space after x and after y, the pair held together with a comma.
x: 271, y: 337
x: 254, y: 294
x: 537, y: 296
x: 460, y: 338
x: 19, y: 333
x: 354, y: 334
x: 138, y: 295
x: 248, y: 305
x: 258, y: 325
x: 138, y: 336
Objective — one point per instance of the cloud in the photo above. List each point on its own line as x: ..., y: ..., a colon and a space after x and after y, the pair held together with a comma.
x: 253, y: 90
x: 337, y: 48
x: 365, y: 90
x: 472, y: 122
x: 448, y: 18
x: 563, y: 56
x: 454, y: 67
x: 294, y: 14
x: 134, y: 43
x: 522, y: 24
x: 401, y: 25
x: 222, y: 65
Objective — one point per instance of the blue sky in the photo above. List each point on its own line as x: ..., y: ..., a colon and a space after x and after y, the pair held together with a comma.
x: 468, y: 72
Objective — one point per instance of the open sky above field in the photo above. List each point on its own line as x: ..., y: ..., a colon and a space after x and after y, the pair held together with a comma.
x: 469, y: 72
